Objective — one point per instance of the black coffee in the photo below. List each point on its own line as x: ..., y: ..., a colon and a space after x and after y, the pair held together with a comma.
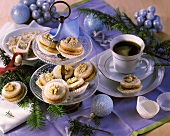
x: 126, y: 48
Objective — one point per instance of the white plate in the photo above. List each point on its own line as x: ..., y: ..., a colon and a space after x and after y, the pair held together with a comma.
x: 15, y: 33
x: 109, y: 87
x: 106, y: 67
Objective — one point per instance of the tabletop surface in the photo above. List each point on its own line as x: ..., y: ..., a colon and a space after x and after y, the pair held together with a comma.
x: 162, y: 9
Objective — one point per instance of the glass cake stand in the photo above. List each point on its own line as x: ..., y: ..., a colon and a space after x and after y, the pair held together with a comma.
x: 53, y: 60
x: 48, y: 68
x: 57, y: 59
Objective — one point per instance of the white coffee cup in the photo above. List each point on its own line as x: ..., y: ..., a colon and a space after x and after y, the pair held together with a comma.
x: 124, y: 63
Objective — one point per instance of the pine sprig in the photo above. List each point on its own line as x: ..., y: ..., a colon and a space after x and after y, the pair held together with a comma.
x: 24, y: 103
x: 77, y: 127
x: 37, y: 118
x: 56, y: 111
x: 5, y: 59
x: 121, y: 21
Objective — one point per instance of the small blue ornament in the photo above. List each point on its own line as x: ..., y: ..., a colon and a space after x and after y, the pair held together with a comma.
x: 91, y: 24
x: 160, y: 27
x: 142, y: 12
x: 140, y: 20
x: 102, y: 105
x: 153, y: 30
x: 150, y: 16
x: 148, y: 24
x: 136, y: 15
x: 151, y: 9
x: 20, y: 13
x: 156, y: 23
x: 28, y: 2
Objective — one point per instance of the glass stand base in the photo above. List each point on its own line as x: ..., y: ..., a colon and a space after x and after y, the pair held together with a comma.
x: 72, y: 108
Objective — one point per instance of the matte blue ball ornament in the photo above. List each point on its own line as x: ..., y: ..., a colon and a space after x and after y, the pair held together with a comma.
x: 20, y: 13
x: 102, y: 105
x: 91, y: 24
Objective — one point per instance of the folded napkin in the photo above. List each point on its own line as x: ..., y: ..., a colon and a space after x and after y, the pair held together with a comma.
x: 70, y: 28
x: 19, y: 115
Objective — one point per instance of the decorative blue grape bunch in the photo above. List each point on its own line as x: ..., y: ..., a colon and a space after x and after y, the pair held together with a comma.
x: 39, y: 10
x: 147, y: 19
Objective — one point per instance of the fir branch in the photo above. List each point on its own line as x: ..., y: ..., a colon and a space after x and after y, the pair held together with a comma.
x: 120, y: 21
x: 56, y: 110
x: 37, y: 118
x: 5, y: 59
x: 86, y: 130
x: 24, y: 103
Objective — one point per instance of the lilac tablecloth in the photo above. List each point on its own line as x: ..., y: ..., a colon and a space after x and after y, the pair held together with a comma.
x: 124, y: 120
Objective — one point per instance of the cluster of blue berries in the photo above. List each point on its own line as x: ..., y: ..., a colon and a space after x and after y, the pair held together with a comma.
x: 40, y: 9
x: 147, y: 19
x: 37, y: 9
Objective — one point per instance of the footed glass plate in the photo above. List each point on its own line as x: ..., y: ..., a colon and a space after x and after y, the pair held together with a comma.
x: 105, y: 65
x: 57, y: 59
x: 149, y: 83
x: 36, y: 90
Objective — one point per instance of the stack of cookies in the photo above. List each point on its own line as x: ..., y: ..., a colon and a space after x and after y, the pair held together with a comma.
x: 70, y: 46
x: 48, y: 44
x: 130, y: 84
x: 14, y: 91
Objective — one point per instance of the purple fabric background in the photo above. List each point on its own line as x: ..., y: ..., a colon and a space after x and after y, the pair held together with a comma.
x: 124, y: 119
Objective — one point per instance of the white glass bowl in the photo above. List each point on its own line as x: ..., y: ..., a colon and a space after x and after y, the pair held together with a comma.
x: 146, y: 108
x: 164, y: 101
x: 16, y: 33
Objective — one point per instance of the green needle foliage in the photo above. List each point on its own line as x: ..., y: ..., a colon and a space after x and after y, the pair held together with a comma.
x: 77, y: 127
x: 56, y: 111
x: 5, y: 59
x: 37, y: 118
x: 120, y: 21
x: 24, y: 103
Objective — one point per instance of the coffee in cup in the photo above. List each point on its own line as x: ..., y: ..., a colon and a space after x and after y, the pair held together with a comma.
x: 127, y: 50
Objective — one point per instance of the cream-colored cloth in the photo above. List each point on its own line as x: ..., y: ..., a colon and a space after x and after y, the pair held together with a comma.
x: 19, y: 115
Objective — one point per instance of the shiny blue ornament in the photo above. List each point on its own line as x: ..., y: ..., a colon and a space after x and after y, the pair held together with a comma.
x: 102, y: 105
x: 160, y: 27
x: 151, y: 9
x: 20, y: 13
x: 142, y: 12
x: 150, y: 16
x: 40, y: 20
x: 33, y: 7
x: 45, y: 6
x: 156, y: 23
x: 153, y: 30
x: 148, y: 24
x: 140, y: 20
x: 28, y: 2
x: 91, y: 24
x: 136, y: 15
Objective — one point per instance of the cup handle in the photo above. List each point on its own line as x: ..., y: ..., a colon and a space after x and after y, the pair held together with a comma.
x: 146, y: 61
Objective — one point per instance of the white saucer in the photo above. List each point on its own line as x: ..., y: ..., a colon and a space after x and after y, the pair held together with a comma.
x: 109, y: 87
x: 106, y: 67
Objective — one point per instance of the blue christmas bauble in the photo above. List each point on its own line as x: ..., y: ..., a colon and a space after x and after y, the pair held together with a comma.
x: 102, y: 105
x: 91, y: 23
x: 20, y: 13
